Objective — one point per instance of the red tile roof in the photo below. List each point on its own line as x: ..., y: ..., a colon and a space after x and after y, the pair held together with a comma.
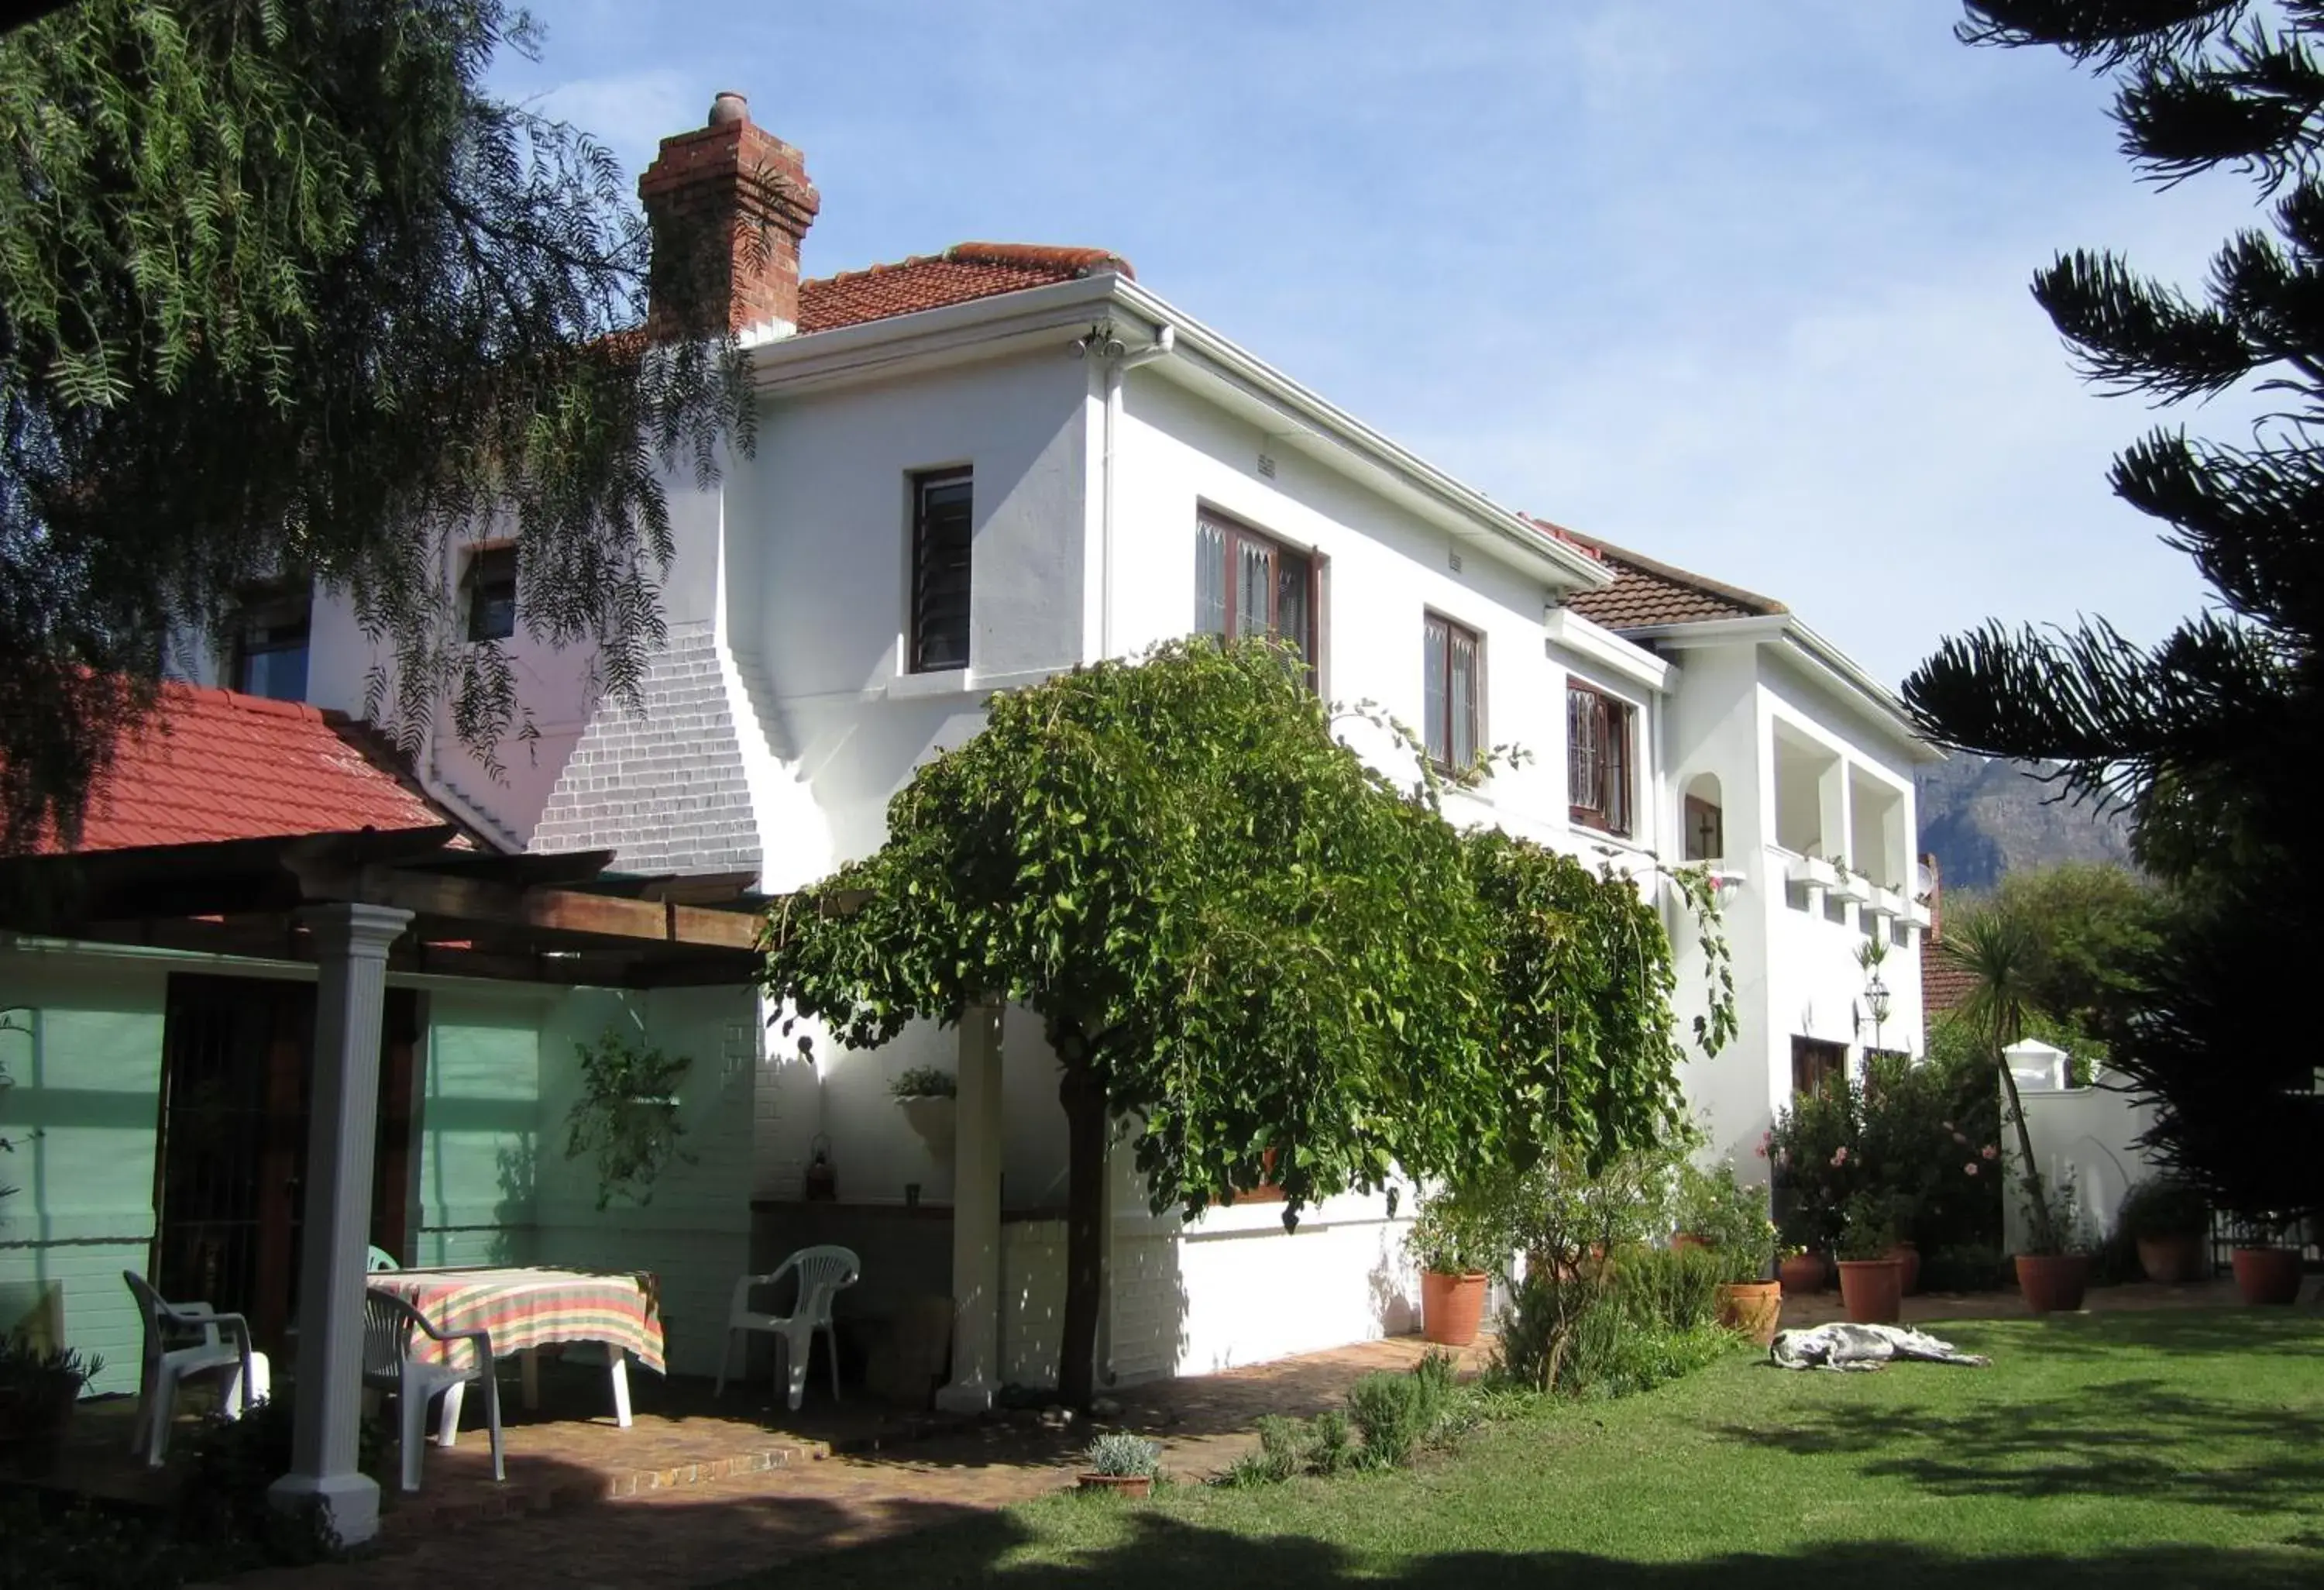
x: 1943, y: 983
x: 216, y: 764
x: 928, y: 281
x: 1646, y: 592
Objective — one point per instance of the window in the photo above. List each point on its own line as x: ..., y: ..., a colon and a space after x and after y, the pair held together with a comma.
x: 270, y: 646
x: 1598, y: 742
x: 1705, y: 823
x: 492, y: 594
x: 941, y: 532
x: 1452, y: 696
x: 1247, y: 585
x: 1817, y: 1066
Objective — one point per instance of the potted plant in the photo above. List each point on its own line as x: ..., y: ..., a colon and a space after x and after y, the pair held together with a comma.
x: 1871, y: 1282
x: 39, y: 1388
x: 626, y: 1116
x: 1730, y: 1220
x: 1121, y: 1463
x: 2170, y: 1220
x: 2054, y: 1273
x: 1801, y: 1272
x: 2267, y: 1273
x: 925, y: 1093
x: 1454, y: 1249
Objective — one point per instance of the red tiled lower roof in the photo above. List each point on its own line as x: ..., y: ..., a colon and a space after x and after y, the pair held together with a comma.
x: 1944, y: 983
x: 928, y: 281
x: 218, y: 765
x: 1646, y: 592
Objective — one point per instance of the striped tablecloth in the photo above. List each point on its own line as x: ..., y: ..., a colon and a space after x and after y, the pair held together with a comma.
x: 533, y: 1308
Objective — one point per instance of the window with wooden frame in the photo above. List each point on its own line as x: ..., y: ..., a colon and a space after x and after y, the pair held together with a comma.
x: 490, y: 582
x: 1599, y: 744
x: 941, y: 534
x: 270, y: 644
x: 1246, y: 584
x: 1452, y: 692
x: 1817, y: 1066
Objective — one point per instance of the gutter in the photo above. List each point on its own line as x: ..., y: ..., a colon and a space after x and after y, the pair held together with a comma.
x: 1119, y: 363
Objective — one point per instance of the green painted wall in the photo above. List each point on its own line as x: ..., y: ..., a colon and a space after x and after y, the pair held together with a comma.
x: 490, y: 1181
x: 87, y: 1082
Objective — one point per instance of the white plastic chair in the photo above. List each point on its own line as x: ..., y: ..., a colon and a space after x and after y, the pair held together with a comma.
x: 389, y: 1365
x: 822, y: 1272
x: 225, y: 1344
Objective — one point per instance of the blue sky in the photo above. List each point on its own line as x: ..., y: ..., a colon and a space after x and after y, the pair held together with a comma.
x: 1740, y: 286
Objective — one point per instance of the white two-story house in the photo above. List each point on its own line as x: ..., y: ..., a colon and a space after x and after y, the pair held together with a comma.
x: 974, y: 469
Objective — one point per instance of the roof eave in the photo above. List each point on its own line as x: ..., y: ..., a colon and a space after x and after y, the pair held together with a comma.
x: 1786, y: 628
x: 1031, y: 317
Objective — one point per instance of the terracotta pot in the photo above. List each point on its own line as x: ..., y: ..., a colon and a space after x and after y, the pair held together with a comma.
x: 1690, y: 1239
x: 1119, y: 1485
x: 2173, y: 1261
x: 1452, y: 1307
x: 1752, y: 1308
x: 2053, y: 1283
x: 2268, y: 1276
x: 1803, y: 1275
x: 1908, y: 1256
x: 1872, y: 1291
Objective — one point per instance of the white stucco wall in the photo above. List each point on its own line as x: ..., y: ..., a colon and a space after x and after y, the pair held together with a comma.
x: 2085, y: 1140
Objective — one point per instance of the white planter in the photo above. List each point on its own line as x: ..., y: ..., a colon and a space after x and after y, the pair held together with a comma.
x: 1812, y: 871
x: 1917, y: 913
x: 935, y: 1120
x: 1853, y: 886
x: 1886, y: 902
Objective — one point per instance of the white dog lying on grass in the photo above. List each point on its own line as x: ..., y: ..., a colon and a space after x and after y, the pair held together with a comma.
x: 1862, y: 1346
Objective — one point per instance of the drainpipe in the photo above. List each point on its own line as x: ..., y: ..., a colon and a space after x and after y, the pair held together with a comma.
x: 1119, y: 362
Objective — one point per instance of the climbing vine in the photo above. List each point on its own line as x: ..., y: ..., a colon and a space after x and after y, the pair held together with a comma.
x: 1280, y: 962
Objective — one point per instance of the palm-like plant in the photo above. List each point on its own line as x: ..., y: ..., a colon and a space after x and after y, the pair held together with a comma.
x: 1997, y: 950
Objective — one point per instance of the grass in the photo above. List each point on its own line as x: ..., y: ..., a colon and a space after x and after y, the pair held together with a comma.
x: 2178, y: 1448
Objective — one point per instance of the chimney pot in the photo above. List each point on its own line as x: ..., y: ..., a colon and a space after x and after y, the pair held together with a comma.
x: 728, y: 106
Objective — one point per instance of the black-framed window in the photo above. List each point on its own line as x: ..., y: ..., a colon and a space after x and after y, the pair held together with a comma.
x: 490, y: 583
x: 942, y: 531
x: 1600, y: 739
x: 1817, y: 1065
x: 270, y: 645
x: 1452, y: 691
x: 1246, y: 584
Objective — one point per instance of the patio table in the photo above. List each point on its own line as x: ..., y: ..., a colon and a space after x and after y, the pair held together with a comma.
x: 529, y: 1308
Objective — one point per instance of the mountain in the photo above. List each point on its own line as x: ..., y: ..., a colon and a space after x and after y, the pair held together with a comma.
x: 1981, y: 818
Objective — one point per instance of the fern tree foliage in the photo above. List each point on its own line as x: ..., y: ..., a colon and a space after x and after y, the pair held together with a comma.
x: 285, y: 293
x: 1245, y: 946
x: 2212, y: 734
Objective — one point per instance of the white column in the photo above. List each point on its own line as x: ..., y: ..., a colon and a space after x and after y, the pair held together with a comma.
x: 342, y: 1115
x: 976, y: 1219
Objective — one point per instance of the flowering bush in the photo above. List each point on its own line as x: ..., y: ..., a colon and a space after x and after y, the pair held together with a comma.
x: 1922, y: 1136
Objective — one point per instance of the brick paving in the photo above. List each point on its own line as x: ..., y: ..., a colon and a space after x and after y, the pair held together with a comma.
x: 858, y: 1482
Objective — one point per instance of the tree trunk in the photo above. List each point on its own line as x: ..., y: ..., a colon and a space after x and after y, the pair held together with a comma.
x: 2037, y: 1197
x: 1084, y: 1102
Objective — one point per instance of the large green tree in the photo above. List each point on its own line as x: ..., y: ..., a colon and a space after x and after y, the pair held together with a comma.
x: 2212, y: 734
x: 285, y: 293
x: 1259, y: 952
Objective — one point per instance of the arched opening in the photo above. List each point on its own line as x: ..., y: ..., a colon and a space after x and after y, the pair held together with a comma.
x: 1703, y: 821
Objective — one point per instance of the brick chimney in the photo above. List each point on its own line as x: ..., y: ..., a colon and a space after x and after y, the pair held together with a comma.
x: 728, y: 204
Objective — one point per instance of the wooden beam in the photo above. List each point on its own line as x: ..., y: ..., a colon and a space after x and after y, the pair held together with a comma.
x: 560, y: 911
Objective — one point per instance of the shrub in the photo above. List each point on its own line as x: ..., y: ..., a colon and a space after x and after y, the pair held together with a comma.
x: 2164, y: 1206
x: 1121, y: 1454
x: 1396, y: 1413
x: 1731, y: 1217
x: 1964, y: 1267
x: 1459, y: 1231
x: 1668, y: 1288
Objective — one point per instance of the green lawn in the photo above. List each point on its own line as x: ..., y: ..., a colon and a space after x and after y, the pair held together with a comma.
x: 2182, y: 1448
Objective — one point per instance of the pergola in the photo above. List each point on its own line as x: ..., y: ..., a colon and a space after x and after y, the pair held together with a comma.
x: 357, y: 904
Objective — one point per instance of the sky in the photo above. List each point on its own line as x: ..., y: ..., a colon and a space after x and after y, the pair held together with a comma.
x: 1743, y: 287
